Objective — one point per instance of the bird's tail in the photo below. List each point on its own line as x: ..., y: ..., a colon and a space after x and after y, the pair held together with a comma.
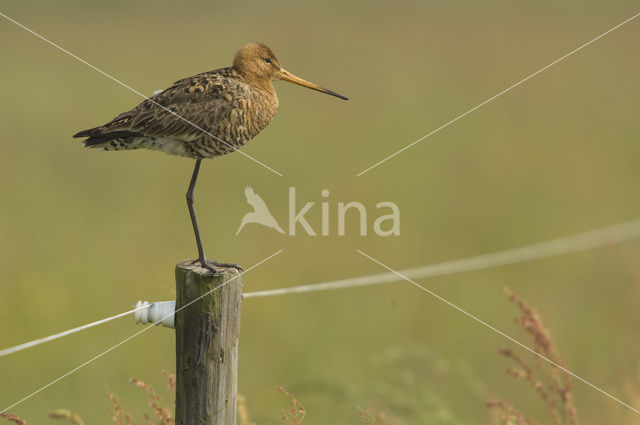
x: 109, y: 140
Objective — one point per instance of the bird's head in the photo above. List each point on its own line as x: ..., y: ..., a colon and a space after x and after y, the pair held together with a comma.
x: 257, y: 62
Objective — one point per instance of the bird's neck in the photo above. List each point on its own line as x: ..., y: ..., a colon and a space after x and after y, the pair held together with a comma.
x: 257, y: 82
x: 266, y: 86
x: 265, y: 91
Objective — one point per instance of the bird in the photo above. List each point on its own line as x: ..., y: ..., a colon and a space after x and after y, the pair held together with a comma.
x: 203, y: 116
x: 260, y: 213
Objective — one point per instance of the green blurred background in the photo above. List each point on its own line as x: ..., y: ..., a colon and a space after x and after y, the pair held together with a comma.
x: 84, y: 234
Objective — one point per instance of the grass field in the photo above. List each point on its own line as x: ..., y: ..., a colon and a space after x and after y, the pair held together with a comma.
x: 84, y: 234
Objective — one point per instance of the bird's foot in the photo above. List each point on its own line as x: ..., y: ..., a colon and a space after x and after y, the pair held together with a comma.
x: 212, y: 264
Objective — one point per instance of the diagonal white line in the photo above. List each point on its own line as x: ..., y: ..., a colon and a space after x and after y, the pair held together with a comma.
x: 499, y: 332
x: 136, y: 334
x: 65, y: 333
x: 135, y: 91
x: 498, y: 95
x: 603, y: 236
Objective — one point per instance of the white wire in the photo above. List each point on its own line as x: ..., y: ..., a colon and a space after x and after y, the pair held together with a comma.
x: 113, y: 347
x: 577, y: 242
x: 33, y: 343
x: 582, y: 241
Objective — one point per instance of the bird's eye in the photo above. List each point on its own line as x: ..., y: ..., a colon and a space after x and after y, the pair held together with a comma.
x: 267, y: 60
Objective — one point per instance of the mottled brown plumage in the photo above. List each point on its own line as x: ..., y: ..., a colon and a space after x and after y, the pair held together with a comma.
x: 203, y: 116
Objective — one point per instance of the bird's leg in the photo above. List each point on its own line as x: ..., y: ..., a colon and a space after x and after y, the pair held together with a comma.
x: 192, y: 211
x: 209, y: 265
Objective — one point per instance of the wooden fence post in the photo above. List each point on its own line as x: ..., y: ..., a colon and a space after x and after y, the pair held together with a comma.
x: 206, y: 345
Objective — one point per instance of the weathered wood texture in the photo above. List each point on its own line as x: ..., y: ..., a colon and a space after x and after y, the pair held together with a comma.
x: 207, y: 345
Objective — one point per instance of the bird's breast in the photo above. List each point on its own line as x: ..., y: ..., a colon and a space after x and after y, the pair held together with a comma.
x: 252, y: 113
x: 237, y: 116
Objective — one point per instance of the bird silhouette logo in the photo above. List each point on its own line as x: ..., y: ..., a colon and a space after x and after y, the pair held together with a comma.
x: 260, y: 213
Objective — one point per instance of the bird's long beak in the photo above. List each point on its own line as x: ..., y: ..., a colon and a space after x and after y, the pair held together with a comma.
x: 287, y: 76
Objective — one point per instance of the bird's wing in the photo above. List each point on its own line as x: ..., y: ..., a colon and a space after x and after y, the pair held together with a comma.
x: 248, y: 192
x: 254, y: 199
x: 205, y: 100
